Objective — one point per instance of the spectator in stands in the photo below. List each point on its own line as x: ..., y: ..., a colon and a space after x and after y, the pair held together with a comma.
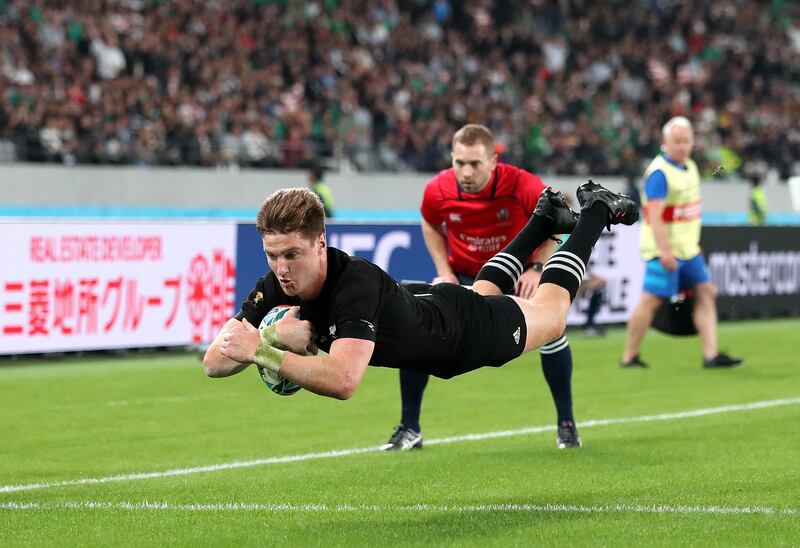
x: 367, y: 81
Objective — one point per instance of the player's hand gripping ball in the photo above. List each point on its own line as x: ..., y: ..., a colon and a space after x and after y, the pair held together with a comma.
x: 275, y: 382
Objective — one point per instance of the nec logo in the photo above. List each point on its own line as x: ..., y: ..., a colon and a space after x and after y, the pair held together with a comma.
x: 356, y: 243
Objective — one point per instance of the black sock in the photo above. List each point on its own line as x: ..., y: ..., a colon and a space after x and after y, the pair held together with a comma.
x: 505, y: 268
x: 412, y: 386
x: 567, y: 266
x: 595, y: 301
x: 557, y: 369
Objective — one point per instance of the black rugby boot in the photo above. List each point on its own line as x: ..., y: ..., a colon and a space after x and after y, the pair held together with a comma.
x: 621, y: 209
x: 551, y: 205
x: 567, y: 436
x: 722, y: 360
x: 634, y: 362
x: 403, y: 439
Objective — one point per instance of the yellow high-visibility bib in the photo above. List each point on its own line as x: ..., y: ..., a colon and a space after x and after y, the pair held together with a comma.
x: 681, y: 213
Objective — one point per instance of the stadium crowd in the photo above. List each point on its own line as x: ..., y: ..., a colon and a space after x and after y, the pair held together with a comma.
x: 568, y: 86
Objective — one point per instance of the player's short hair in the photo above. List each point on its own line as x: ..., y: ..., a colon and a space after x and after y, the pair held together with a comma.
x: 292, y: 210
x: 473, y: 134
x: 677, y: 121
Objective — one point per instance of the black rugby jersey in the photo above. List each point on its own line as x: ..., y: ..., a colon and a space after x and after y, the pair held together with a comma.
x: 361, y: 301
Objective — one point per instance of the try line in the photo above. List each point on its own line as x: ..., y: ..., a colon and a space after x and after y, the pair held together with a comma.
x: 357, y: 451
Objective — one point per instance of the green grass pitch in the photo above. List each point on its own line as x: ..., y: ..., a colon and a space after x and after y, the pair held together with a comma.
x: 145, y: 450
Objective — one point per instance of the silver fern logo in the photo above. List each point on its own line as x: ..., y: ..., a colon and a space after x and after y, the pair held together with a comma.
x: 516, y: 335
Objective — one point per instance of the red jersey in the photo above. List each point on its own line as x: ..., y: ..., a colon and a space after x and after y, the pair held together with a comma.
x: 479, y: 225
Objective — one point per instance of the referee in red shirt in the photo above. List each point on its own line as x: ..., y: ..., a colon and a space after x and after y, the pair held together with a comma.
x: 470, y: 212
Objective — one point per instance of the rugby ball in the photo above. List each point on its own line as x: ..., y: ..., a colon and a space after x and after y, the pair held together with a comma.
x: 275, y: 382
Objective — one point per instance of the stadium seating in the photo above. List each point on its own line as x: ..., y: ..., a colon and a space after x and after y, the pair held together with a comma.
x: 567, y: 87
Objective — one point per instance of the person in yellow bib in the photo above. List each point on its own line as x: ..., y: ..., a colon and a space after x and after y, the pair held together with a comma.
x: 317, y: 184
x: 757, y: 210
x: 670, y: 247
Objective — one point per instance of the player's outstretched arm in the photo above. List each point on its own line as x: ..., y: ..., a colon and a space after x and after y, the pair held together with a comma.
x: 336, y: 375
x: 215, y: 363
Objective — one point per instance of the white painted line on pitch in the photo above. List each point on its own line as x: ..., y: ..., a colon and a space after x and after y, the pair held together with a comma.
x: 388, y: 508
x: 162, y: 399
x: 140, y: 401
x: 356, y: 451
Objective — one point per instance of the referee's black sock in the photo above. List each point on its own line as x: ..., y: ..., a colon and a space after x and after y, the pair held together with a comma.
x: 505, y: 268
x: 557, y: 370
x: 567, y: 266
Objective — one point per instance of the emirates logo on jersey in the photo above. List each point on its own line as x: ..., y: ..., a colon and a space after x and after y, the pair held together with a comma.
x: 503, y: 214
